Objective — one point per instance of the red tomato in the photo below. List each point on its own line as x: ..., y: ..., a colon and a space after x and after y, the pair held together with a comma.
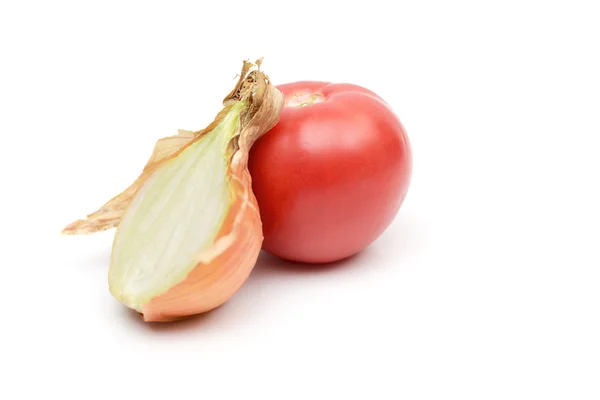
x: 331, y: 176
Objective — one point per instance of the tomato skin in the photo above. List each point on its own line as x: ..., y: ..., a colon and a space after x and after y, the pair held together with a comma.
x: 330, y: 177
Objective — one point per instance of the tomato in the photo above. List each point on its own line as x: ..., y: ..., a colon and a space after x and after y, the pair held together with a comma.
x: 331, y: 176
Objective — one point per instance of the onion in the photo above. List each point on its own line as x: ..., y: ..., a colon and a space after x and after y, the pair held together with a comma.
x: 188, y: 229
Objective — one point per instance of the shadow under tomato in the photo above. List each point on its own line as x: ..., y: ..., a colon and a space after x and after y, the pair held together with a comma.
x: 271, y: 270
x: 267, y: 268
x: 270, y: 264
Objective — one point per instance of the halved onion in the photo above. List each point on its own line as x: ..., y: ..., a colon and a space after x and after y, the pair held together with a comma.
x: 188, y: 229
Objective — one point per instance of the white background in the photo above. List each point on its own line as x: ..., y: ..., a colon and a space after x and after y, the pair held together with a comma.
x: 486, y: 286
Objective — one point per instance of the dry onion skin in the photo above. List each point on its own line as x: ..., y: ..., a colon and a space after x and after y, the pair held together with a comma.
x: 188, y: 229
